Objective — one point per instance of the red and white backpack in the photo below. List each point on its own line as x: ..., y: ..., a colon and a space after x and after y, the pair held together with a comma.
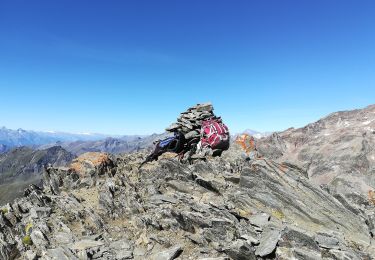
x: 214, y: 134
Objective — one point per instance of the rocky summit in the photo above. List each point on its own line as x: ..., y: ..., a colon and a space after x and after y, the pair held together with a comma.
x: 103, y: 206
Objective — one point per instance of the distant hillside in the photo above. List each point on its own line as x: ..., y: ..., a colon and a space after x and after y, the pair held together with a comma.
x: 22, y: 166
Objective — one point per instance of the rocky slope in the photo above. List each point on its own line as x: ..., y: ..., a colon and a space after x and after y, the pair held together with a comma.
x: 103, y: 207
x: 337, y: 151
x: 22, y: 166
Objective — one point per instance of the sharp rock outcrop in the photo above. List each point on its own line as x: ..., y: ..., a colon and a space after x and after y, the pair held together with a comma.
x: 103, y: 207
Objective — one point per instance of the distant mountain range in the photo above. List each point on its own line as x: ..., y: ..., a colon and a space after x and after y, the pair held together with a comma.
x: 256, y: 134
x: 81, y: 143
x: 21, y: 137
x: 10, y: 138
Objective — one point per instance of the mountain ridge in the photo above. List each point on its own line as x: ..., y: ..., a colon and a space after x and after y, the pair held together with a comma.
x: 22, y: 166
x: 307, y: 194
x: 337, y: 151
x: 21, y: 137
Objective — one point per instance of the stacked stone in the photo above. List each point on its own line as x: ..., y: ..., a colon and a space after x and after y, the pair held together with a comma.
x: 189, y: 122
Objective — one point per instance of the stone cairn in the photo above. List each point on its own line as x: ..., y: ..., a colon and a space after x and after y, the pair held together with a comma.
x: 189, y: 122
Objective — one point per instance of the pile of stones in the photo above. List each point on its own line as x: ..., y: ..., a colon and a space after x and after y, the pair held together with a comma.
x: 189, y: 122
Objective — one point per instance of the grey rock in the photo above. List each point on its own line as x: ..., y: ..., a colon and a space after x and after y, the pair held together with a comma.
x: 208, y: 184
x: 11, y: 217
x: 169, y: 254
x: 192, y: 134
x: 30, y: 255
x: 59, y: 253
x: 122, y: 248
x: 121, y: 244
x: 214, y: 258
x: 173, y: 127
x: 204, y: 107
x: 339, y: 254
x: 8, y: 250
x: 39, y: 239
x: 124, y: 254
x: 240, y: 250
x: 160, y: 199
x: 40, y: 212
x: 221, y: 232
x: 139, y: 252
x: 259, y: 220
x: 86, y: 244
x: 301, y: 253
x: 52, y: 180
x: 251, y: 239
x: 292, y: 237
x: 268, y: 242
x: 286, y: 253
x: 326, y: 241
x: 63, y: 238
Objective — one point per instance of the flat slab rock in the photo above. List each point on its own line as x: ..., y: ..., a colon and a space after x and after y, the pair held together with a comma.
x: 327, y: 242
x: 86, y: 244
x: 259, y: 220
x: 214, y: 258
x: 59, y: 253
x: 268, y: 242
x: 168, y: 254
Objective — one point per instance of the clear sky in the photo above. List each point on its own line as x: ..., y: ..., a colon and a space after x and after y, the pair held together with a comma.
x: 130, y: 67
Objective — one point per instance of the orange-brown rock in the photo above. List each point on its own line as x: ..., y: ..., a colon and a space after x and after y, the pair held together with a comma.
x: 246, y: 142
x: 371, y: 197
x: 92, y: 161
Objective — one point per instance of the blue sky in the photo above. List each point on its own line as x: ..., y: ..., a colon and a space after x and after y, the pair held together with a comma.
x: 130, y: 67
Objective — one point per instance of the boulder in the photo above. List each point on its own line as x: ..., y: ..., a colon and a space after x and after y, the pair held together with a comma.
x: 169, y: 254
x: 268, y: 242
x: 89, y: 162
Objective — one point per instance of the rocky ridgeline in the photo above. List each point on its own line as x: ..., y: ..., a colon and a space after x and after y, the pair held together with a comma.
x: 337, y: 152
x: 230, y: 207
